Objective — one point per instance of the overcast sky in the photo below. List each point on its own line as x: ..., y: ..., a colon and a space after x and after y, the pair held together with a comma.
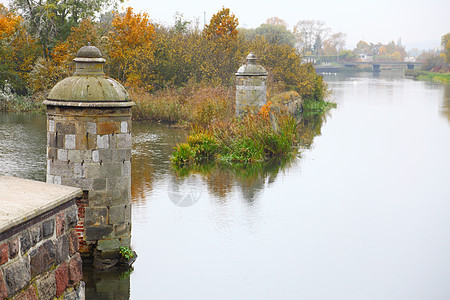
x: 418, y: 23
x: 415, y: 22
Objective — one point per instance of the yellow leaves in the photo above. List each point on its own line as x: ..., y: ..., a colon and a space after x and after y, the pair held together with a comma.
x: 131, y: 31
x: 8, y: 22
x: 131, y: 47
x: 222, y: 24
x: 60, y: 53
x: 265, y: 109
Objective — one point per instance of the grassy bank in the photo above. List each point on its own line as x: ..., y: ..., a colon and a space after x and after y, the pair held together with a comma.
x: 251, y: 140
x: 16, y: 103
x: 192, y: 104
x: 313, y: 106
x: 425, y: 75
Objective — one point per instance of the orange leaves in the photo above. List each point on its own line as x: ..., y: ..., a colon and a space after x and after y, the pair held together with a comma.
x: 17, y: 50
x: 131, y: 47
x: 265, y: 109
x: 130, y: 32
x: 8, y: 22
x: 222, y: 24
x: 382, y: 50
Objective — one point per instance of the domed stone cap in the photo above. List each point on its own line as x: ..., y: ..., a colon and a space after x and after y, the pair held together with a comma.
x: 251, y: 58
x: 88, y: 89
x: 251, y: 68
x: 89, y: 52
x: 89, y: 83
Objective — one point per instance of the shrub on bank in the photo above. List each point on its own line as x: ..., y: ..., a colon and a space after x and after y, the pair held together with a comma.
x: 12, y: 102
x: 251, y: 139
x: 426, y: 75
x: 192, y: 104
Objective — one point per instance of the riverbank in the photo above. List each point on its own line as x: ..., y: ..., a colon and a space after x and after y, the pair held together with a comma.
x: 21, y: 104
x: 425, y: 75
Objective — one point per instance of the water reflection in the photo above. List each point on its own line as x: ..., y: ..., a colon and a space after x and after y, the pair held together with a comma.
x: 371, y: 199
x: 107, y: 285
x: 445, y: 109
x: 220, y: 181
x: 23, y: 145
x: 152, y: 145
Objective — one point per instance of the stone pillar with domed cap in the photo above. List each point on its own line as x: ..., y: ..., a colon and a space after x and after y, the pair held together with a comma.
x: 251, y: 86
x: 89, y: 146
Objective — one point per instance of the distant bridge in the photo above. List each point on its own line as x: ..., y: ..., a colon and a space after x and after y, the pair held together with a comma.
x: 333, y: 63
x: 376, y: 65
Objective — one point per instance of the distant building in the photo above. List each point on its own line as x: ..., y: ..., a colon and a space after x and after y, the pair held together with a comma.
x: 308, y: 59
x: 364, y: 57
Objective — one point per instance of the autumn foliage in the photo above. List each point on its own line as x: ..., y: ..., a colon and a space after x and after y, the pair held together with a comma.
x: 17, y: 51
x: 153, y: 58
x: 222, y: 24
x: 131, y: 48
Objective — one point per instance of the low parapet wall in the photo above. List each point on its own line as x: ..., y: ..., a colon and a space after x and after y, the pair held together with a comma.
x: 39, y: 256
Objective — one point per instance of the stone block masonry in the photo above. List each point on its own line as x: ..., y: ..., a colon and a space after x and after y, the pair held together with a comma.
x: 251, y: 87
x: 39, y: 256
x: 96, y: 157
x: 89, y: 147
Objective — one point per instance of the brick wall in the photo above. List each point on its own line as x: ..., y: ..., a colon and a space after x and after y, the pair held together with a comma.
x: 39, y: 257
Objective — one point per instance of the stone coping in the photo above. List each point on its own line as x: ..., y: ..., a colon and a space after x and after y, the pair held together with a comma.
x: 23, y: 199
x: 89, y: 104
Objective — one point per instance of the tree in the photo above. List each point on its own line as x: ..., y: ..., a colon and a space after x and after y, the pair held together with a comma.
x: 276, y: 21
x: 334, y: 44
x: 131, y: 48
x: 46, y: 73
x: 18, y: 51
x: 181, y: 25
x: 222, y: 24
x: 310, y: 33
x: 445, y: 43
x: 50, y: 21
x: 276, y: 34
x: 362, y: 48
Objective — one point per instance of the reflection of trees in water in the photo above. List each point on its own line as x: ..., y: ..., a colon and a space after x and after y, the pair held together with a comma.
x: 251, y: 180
x: 152, y: 146
x: 309, y: 127
x: 141, y: 177
x: 445, y: 110
x: 111, y: 284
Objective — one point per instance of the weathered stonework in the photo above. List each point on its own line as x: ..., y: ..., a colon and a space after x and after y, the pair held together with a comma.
x: 89, y: 146
x: 37, y: 244
x: 251, y: 87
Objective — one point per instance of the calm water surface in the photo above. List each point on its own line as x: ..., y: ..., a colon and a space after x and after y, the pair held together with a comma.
x: 363, y: 214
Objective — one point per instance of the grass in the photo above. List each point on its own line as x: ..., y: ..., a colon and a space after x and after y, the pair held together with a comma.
x: 313, y: 106
x: 425, y: 75
x: 15, y: 103
x: 192, y: 104
x: 253, y: 139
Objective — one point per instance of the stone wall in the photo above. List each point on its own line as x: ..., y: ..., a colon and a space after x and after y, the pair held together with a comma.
x: 90, y: 148
x: 39, y: 256
x: 251, y: 93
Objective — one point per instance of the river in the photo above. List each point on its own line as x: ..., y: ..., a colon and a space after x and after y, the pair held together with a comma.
x: 362, y: 213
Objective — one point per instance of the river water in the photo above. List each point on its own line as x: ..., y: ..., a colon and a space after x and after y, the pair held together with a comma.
x: 363, y: 213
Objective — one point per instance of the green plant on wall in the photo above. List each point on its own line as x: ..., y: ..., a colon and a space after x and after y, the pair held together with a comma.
x: 126, y: 252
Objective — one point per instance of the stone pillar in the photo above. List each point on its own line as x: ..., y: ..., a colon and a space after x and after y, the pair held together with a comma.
x: 89, y: 146
x: 251, y: 87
